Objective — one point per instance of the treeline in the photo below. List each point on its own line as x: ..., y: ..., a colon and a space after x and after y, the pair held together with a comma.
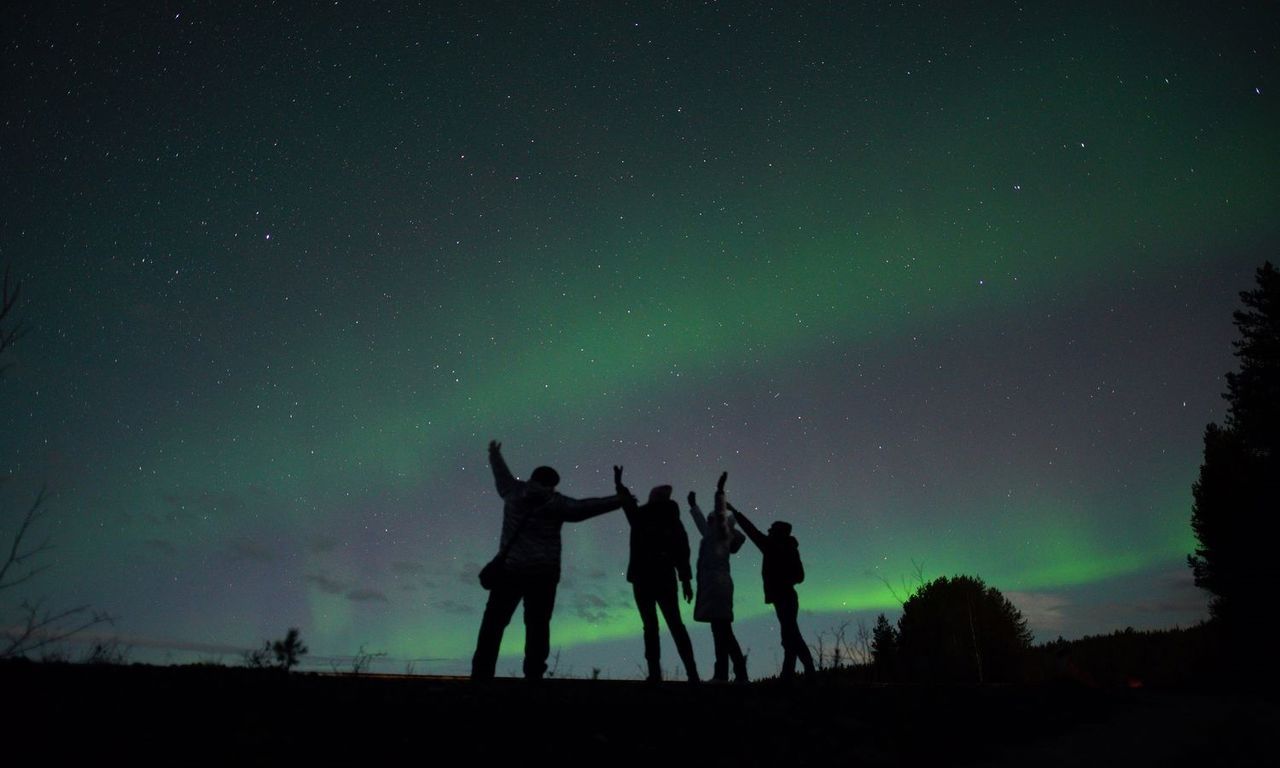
x: 1166, y: 658
x: 1181, y: 658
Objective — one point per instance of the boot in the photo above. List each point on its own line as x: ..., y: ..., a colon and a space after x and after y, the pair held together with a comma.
x: 720, y: 674
x: 740, y: 670
x: 655, y: 671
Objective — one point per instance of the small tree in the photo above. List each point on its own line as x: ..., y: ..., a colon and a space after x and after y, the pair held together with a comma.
x: 959, y: 630
x: 289, y: 650
x: 884, y: 647
x: 281, y: 654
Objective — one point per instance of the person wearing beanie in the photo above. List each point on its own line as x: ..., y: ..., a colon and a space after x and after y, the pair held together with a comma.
x: 529, y: 555
x: 782, y: 571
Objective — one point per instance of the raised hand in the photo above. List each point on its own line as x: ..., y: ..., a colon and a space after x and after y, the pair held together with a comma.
x: 720, y: 483
x: 617, y: 475
x: 495, y: 446
x: 693, y: 499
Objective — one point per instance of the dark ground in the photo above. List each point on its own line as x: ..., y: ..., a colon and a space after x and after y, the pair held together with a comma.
x: 234, y: 716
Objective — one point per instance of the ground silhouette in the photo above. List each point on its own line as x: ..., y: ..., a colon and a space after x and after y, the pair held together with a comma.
x: 244, y: 716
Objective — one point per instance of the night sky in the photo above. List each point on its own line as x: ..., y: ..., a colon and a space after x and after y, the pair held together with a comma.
x: 948, y: 290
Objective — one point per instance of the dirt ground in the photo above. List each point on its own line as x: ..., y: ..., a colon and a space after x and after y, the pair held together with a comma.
x: 234, y: 716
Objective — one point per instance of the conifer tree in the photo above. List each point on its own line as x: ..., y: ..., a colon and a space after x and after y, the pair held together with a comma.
x: 1237, y: 496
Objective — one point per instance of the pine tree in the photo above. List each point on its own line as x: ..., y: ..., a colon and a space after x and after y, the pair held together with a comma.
x: 1237, y: 496
x: 884, y: 647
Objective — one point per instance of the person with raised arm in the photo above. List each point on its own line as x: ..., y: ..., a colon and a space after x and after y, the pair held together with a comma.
x: 527, y: 567
x: 714, y: 604
x: 782, y: 571
x: 659, y: 554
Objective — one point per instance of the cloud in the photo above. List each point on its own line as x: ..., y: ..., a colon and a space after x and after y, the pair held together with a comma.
x: 589, y: 607
x: 406, y: 567
x: 366, y: 595
x: 469, y: 574
x: 322, y: 544
x: 325, y: 584
x: 246, y: 549
x: 1045, y: 612
x: 90, y: 637
x: 456, y: 608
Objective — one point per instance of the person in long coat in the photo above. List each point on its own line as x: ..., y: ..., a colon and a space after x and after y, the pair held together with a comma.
x: 714, y: 604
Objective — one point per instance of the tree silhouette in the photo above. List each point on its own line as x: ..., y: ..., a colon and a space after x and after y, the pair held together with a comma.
x: 1237, y: 496
x: 288, y: 650
x: 959, y: 630
x: 280, y: 654
x: 30, y: 626
x: 884, y: 647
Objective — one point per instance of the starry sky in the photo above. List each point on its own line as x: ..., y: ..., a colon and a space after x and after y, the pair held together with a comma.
x: 947, y: 287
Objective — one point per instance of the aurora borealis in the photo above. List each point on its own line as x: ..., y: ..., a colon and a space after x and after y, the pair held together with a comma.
x: 945, y: 291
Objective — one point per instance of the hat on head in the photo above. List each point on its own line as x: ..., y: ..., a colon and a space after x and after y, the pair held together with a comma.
x: 784, y: 529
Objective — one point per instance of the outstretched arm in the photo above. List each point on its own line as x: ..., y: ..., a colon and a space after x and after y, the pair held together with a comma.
x: 751, y: 530
x: 628, y: 500
x: 720, y: 493
x: 502, y: 477
x: 699, y: 519
x: 577, y: 510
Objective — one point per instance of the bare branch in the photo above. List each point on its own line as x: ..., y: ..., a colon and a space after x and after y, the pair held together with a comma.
x: 34, y: 627
x: 40, y: 628
x: 9, y: 293
x: 18, y: 556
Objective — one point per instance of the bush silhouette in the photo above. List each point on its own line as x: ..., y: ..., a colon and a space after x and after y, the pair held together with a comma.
x: 959, y: 630
x: 281, y: 654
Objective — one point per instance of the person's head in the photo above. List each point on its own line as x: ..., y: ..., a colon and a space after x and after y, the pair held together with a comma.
x: 780, y: 530
x: 660, y: 493
x: 546, y: 477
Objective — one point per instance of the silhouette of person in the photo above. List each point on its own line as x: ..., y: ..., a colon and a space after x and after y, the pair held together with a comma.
x: 714, y: 604
x: 659, y: 553
x: 532, y: 516
x: 782, y: 571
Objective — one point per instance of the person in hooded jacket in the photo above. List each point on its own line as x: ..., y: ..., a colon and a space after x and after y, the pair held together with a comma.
x: 714, y: 604
x: 659, y: 554
x: 782, y: 571
x: 532, y: 516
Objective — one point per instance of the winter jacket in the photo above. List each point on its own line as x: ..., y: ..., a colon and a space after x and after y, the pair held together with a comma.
x: 781, y: 569
x: 659, y: 544
x: 715, y: 581
x: 536, y: 549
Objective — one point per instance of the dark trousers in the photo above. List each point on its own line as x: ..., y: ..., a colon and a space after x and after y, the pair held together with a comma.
x: 787, y: 606
x: 727, y: 649
x: 651, y: 597
x: 539, y: 596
